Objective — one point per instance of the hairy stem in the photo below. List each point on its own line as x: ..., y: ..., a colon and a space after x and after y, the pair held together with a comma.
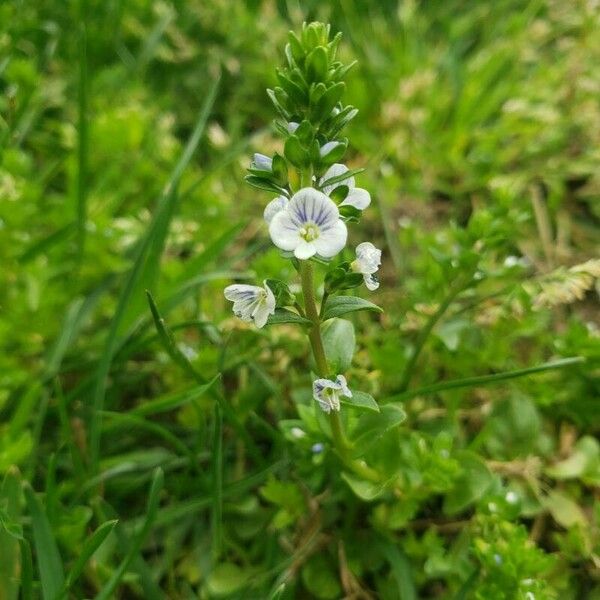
x: 342, y: 445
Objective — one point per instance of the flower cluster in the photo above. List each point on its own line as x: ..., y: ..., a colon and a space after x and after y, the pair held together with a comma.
x: 316, y: 198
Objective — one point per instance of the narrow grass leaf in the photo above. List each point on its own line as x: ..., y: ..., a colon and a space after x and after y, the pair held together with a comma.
x: 151, y: 511
x: 10, y: 534
x: 89, y: 548
x: 48, y: 559
x: 139, y: 276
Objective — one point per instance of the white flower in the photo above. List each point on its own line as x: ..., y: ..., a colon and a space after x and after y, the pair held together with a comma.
x: 328, y: 147
x: 292, y: 126
x: 251, y: 302
x: 310, y: 224
x: 274, y: 207
x: 327, y: 393
x: 262, y: 162
x: 368, y: 259
x: 356, y: 197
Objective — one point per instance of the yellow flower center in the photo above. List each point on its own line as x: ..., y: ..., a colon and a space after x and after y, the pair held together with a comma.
x: 309, y: 232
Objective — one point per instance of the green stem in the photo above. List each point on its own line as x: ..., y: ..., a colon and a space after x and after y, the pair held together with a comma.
x: 455, y: 289
x: 342, y: 445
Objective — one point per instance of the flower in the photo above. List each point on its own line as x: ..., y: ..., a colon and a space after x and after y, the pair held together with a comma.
x: 368, y: 259
x: 262, y: 162
x: 357, y: 197
x: 327, y: 393
x: 251, y: 302
x: 274, y: 207
x: 310, y: 224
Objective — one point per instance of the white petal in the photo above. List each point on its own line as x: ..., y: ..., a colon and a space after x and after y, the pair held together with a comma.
x: 304, y: 250
x: 262, y: 162
x: 240, y: 291
x: 274, y: 207
x: 368, y: 258
x: 270, y: 299
x: 261, y: 315
x: 341, y: 381
x: 371, y: 281
x: 311, y: 206
x: 332, y: 240
x: 358, y: 198
x: 327, y: 148
x: 334, y: 171
x: 284, y: 230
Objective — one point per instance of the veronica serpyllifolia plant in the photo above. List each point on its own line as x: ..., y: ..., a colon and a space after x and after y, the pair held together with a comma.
x: 316, y: 200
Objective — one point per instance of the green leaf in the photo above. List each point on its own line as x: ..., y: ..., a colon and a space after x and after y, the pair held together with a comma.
x: 339, y: 342
x: 471, y: 485
x: 564, y: 510
x: 365, y: 490
x: 585, y: 460
x: 283, y: 315
x: 48, y: 559
x: 371, y: 426
x: 226, y: 579
x: 262, y: 183
x: 151, y: 511
x: 361, y: 401
x: 89, y: 548
x: 295, y: 152
x: 316, y: 64
x: 10, y: 534
x: 341, y: 305
x: 143, y: 273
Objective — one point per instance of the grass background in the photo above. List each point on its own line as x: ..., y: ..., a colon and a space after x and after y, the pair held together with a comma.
x: 125, y: 129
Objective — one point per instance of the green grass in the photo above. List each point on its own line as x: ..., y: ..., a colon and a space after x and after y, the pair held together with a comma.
x: 149, y: 442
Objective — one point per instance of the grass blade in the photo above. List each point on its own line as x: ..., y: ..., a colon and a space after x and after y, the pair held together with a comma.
x: 89, y: 548
x: 48, y: 559
x: 10, y: 494
x: 486, y: 379
x: 151, y: 246
x: 151, y: 511
x: 217, y: 483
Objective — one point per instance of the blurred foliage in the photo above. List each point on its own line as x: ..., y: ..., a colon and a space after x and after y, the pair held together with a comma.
x: 479, y: 126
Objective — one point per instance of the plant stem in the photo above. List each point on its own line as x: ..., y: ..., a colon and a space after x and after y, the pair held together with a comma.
x: 342, y: 445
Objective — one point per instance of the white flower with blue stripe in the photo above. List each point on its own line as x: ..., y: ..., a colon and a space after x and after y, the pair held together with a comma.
x: 368, y: 260
x: 251, y: 302
x: 327, y: 392
x: 309, y: 224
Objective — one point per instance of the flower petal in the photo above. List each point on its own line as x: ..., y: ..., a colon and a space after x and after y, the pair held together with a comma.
x: 241, y: 292
x: 371, y: 281
x: 332, y: 240
x: 358, y: 198
x: 283, y: 230
x: 304, y: 250
x: 334, y: 171
x: 274, y: 207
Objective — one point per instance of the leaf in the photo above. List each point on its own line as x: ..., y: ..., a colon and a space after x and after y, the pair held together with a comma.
x: 175, y: 400
x: 142, y: 274
x: 339, y: 342
x: 341, y: 305
x: 401, y: 569
x: 89, y: 548
x: 48, y: 559
x: 371, y: 426
x: 365, y: 490
x: 283, y: 315
x: 475, y: 481
x: 585, y: 460
x: 10, y: 534
x: 226, y: 579
x: 151, y: 511
x: 361, y: 401
x: 341, y: 177
x: 564, y: 510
